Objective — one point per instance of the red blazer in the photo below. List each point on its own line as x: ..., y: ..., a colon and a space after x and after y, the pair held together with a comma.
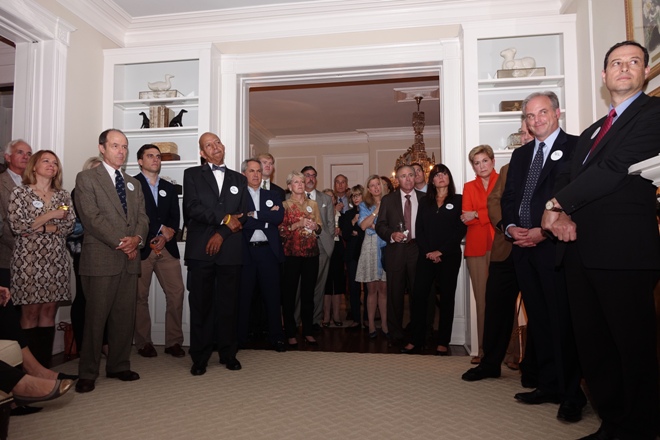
x: 480, y: 232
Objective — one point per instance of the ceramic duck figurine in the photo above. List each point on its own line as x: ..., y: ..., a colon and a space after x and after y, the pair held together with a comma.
x: 161, y: 86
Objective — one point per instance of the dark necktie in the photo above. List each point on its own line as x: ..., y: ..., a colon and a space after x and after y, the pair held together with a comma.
x: 121, y: 189
x: 217, y: 168
x: 407, y: 215
x: 309, y: 195
x: 263, y: 185
x: 604, y: 129
x: 530, y: 185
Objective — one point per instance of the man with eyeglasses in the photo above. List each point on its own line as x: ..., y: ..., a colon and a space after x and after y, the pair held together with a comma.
x: 326, y: 238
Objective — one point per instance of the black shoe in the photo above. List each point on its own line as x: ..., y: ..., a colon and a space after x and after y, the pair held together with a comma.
x: 67, y: 376
x: 413, y: 350
x: 198, y: 369
x: 313, y: 343
x: 442, y: 353
x: 528, y: 382
x: 25, y: 410
x: 537, y: 397
x: 147, y: 351
x: 231, y: 364
x: 479, y: 373
x: 85, y: 385
x: 279, y: 347
x: 292, y: 346
x: 570, y: 412
x: 126, y: 375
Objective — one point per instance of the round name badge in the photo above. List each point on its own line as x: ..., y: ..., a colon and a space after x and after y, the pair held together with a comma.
x: 162, y: 193
x: 595, y: 133
x: 130, y: 186
x: 450, y: 206
x: 38, y: 204
x: 269, y: 203
x: 309, y: 209
x: 556, y: 155
x: 233, y: 190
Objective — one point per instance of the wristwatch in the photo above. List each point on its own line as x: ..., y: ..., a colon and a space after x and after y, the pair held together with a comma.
x: 551, y: 206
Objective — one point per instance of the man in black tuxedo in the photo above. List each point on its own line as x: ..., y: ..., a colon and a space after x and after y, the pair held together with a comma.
x: 161, y: 256
x: 530, y: 182
x: 267, y: 169
x: 262, y: 256
x: 612, y: 259
x: 401, y: 251
x: 214, y: 200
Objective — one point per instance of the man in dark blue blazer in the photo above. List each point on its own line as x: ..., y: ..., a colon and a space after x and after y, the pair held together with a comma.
x: 214, y: 201
x: 267, y: 168
x: 161, y: 256
x: 530, y: 182
x: 262, y: 256
x: 612, y: 260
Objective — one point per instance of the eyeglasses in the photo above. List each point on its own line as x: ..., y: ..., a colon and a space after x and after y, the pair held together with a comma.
x: 310, y: 175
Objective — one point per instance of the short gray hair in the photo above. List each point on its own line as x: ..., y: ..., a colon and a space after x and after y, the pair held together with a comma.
x: 246, y: 161
x: 10, y: 145
x: 548, y: 94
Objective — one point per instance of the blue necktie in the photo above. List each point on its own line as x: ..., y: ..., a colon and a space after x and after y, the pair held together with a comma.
x: 530, y: 185
x: 121, y: 189
x: 217, y: 168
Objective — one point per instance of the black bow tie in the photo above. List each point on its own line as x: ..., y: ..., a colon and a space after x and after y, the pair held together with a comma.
x: 217, y: 168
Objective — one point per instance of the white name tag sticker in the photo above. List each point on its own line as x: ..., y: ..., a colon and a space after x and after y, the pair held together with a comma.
x: 309, y: 209
x: 269, y: 203
x: 233, y: 190
x: 38, y: 204
x: 450, y: 206
x: 130, y: 186
x: 556, y: 155
x: 162, y: 193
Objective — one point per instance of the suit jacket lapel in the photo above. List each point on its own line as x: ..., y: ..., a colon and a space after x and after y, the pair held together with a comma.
x: 207, y: 174
x: 550, y: 163
x: 106, y: 183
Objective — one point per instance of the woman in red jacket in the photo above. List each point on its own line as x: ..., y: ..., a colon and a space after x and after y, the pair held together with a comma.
x: 480, y: 232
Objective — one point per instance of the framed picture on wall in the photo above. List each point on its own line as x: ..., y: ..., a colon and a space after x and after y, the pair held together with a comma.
x: 643, y: 26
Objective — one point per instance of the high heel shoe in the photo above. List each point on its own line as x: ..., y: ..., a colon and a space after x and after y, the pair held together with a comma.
x: 442, y: 353
x: 373, y: 334
x: 413, y: 350
x: 337, y: 323
x: 325, y: 324
x: 312, y: 343
x: 60, y: 388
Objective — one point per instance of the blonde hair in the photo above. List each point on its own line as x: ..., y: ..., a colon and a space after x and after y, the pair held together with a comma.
x: 486, y: 149
x: 368, y: 198
x: 30, y: 177
x: 92, y: 162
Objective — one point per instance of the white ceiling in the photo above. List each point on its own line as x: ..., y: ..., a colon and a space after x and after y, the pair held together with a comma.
x: 304, y: 110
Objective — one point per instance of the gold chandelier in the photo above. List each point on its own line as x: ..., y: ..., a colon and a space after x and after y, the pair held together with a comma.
x: 417, y: 152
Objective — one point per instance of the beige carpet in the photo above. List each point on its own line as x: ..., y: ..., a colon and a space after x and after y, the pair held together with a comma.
x: 300, y: 395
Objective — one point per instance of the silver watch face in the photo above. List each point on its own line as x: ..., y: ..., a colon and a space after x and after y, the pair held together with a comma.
x: 549, y: 205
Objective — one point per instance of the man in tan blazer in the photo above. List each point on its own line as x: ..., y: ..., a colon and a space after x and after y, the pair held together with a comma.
x: 17, y: 155
x: 110, y: 261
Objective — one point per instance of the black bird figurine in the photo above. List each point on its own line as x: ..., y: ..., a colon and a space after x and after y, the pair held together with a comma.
x: 176, y: 121
x: 145, y: 120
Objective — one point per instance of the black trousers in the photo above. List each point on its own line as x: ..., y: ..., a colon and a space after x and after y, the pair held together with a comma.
x: 445, y: 274
x: 304, y: 270
x: 213, y: 301
x: 614, y: 321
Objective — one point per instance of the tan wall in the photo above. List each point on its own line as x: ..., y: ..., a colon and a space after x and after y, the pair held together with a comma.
x: 83, y: 92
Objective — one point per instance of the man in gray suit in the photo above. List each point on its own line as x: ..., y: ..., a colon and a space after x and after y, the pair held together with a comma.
x: 111, y: 206
x: 17, y: 155
x: 326, y: 239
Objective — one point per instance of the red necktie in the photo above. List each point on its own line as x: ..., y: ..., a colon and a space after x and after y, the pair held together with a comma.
x: 604, y: 129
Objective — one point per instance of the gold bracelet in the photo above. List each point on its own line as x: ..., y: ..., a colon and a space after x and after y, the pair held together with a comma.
x: 226, y: 220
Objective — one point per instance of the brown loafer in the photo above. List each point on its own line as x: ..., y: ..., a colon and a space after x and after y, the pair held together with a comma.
x: 126, y: 375
x: 85, y: 385
x: 175, y: 351
x: 148, y: 351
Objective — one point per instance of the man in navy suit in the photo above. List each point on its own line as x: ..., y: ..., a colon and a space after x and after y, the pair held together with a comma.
x: 262, y: 256
x: 161, y: 256
x: 214, y: 200
x: 612, y: 259
x: 530, y: 182
x: 267, y: 168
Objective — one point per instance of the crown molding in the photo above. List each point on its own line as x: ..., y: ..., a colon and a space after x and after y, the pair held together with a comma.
x: 296, y: 20
x: 27, y: 21
x: 360, y: 136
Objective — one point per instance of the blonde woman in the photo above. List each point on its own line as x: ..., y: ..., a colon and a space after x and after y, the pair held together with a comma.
x: 480, y: 233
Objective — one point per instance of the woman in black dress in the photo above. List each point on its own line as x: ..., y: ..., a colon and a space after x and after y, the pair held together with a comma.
x: 439, y: 231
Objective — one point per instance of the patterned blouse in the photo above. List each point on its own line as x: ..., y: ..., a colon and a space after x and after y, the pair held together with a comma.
x: 299, y: 242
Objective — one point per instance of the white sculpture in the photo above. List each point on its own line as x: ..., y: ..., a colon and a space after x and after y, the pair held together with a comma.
x: 161, y: 86
x: 510, y: 62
